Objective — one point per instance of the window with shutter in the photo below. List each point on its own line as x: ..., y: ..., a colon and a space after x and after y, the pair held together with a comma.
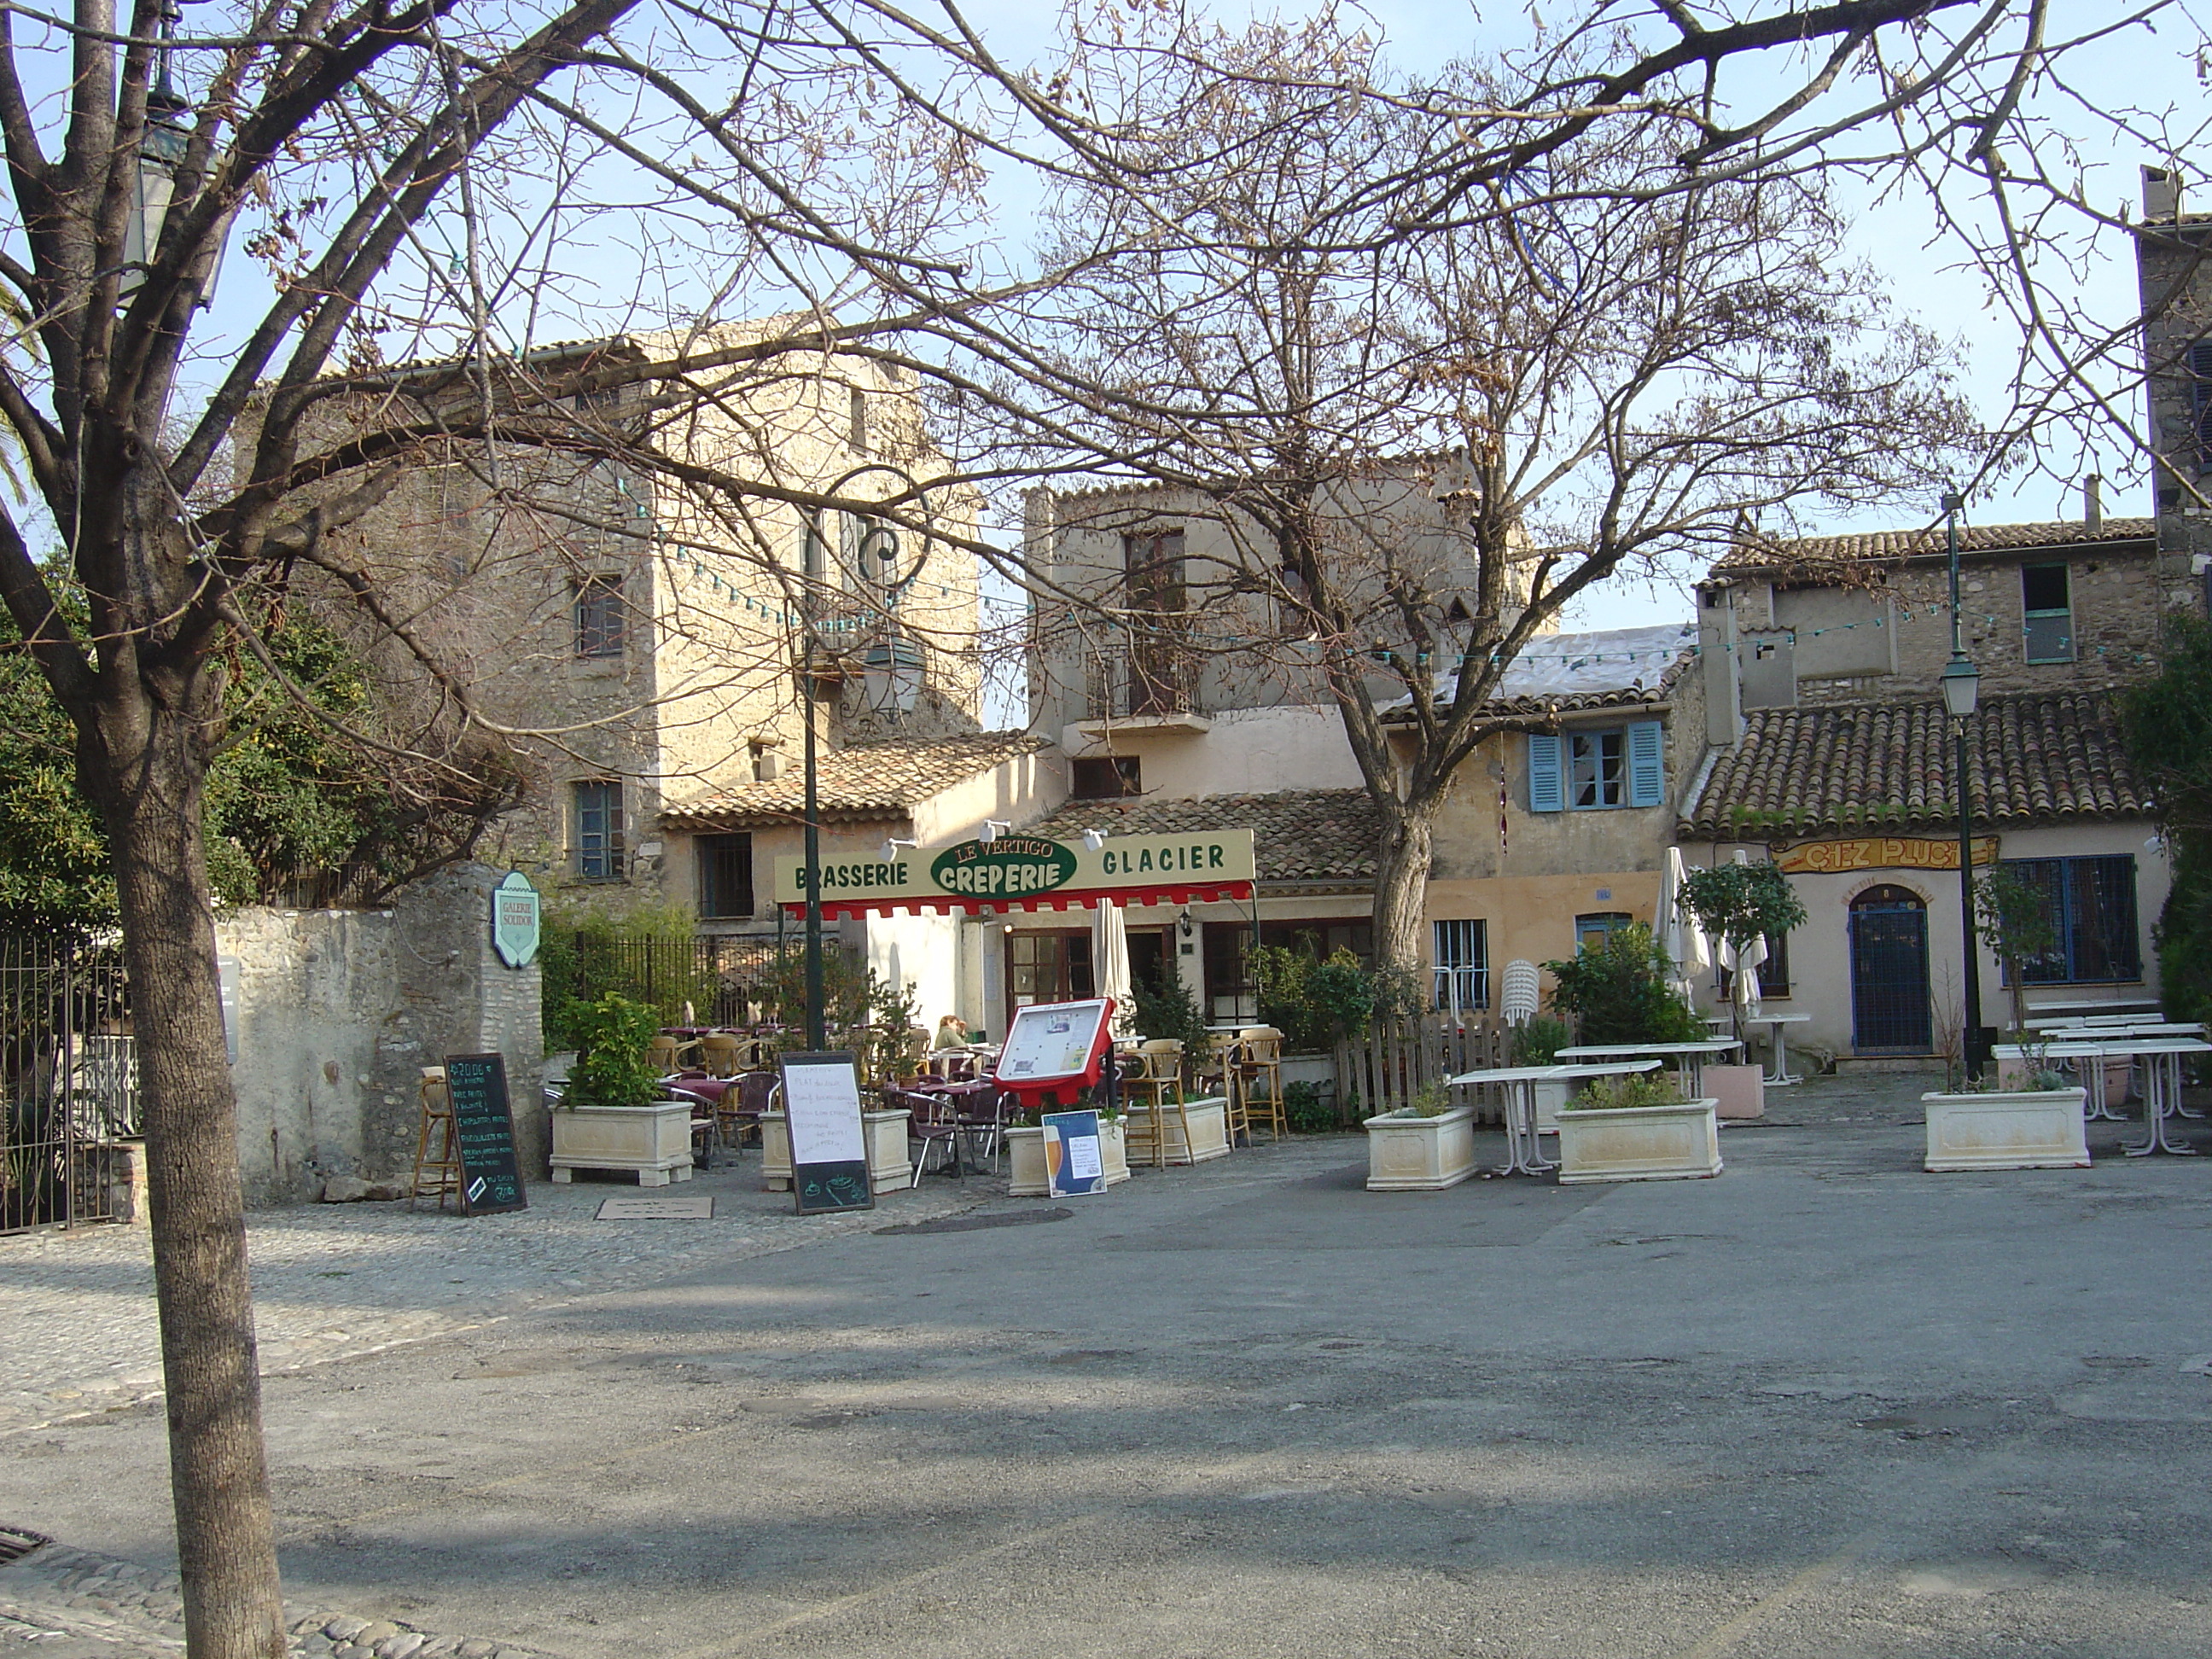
x: 1546, y: 787
x: 2200, y: 399
x: 1647, y: 764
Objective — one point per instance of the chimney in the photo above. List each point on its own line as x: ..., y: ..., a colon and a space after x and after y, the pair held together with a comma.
x: 2093, y: 504
x: 2161, y: 193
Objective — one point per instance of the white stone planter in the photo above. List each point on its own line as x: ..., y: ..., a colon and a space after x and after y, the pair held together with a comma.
x: 2028, y: 1129
x: 1419, y: 1154
x: 883, y: 1141
x: 653, y: 1142
x: 1025, y: 1158
x: 1209, y: 1129
x: 1679, y: 1142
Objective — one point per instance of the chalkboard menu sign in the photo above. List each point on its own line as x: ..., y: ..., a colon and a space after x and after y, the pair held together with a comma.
x: 829, y: 1148
x: 483, y: 1133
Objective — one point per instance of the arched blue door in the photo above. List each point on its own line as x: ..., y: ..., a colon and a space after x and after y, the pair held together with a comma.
x: 1889, y: 973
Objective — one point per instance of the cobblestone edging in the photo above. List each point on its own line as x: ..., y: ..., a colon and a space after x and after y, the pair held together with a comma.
x: 72, y: 1604
x: 77, y: 1333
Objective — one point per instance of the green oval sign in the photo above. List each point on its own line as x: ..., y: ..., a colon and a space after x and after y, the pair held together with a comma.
x: 1008, y: 867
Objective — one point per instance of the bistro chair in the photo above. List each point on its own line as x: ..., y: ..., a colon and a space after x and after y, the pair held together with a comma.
x: 1225, y: 1053
x: 934, y: 1120
x: 1262, y: 1058
x: 721, y: 1055
x: 1157, y: 1082
x: 666, y: 1052
x: 1518, y: 1003
x: 738, y: 1112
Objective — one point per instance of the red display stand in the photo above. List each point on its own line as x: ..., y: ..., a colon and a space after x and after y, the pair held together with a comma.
x: 1054, y: 1050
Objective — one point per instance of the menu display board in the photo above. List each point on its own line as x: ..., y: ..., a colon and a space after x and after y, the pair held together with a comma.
x: 483, y: 1134
x: 1054, y: 1042
x: 829, y: 1145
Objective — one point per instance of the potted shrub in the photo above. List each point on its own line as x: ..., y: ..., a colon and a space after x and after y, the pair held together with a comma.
x: 1637, y: 1127
x: 1620, y: 992
x: 1742, y: 905
x: 2039, y: 1126
x: 1316, y: 1002
x: 613, y: 1115
x: 1421, y: 1148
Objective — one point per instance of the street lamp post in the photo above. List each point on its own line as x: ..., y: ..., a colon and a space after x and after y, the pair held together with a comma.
x: 883, y: 567
x: 1961, y: 683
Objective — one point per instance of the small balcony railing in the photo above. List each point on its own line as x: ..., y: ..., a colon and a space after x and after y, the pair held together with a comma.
x: 1141, y: 683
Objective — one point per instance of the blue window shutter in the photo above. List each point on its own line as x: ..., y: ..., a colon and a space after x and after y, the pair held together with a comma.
x: 1547, y: 788
x: 1647, y: 766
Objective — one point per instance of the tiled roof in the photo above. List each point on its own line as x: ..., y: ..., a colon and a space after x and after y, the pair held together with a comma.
x: 1877, y: 766
x: 1298, y: 835
x: 1602, y: 670
x: 1923, y: 541
x: 874, y: 779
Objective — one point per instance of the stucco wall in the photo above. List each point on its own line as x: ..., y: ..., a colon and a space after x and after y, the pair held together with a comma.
x: 1820, y: 950
x: 334, y: 1011
x: 1248, y: 751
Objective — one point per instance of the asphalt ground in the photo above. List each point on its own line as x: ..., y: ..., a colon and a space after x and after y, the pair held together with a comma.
x: 1826, y: 1404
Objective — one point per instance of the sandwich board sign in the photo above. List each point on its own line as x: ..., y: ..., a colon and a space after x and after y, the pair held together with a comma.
x: 483, y: 1134
x: 1074, y: 1166
x: 829, y: 1145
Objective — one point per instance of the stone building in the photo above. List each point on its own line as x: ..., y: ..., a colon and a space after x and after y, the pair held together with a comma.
x: 1831, y: 753
x: 634, y: 612
x: 2176, y: 293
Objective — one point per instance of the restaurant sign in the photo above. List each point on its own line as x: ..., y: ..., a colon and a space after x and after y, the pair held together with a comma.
x: 1836, y: 857
x: 1011, y: 865
x: 1029, y: 870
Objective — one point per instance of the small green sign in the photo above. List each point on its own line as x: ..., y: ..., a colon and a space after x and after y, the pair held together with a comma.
x: 517, y: 918
x: 1006, y: 868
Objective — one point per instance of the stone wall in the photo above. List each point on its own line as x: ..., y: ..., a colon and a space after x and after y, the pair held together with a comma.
x: 332, y: 1013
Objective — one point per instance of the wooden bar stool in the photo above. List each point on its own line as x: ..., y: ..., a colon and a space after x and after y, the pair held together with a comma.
x: 441, y: 1174
x: 1263, y: 1058
x: 1157, y: 1080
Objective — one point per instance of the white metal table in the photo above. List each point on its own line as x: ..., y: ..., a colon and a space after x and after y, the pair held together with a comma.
x: 1524, y: 1148
x: 1780, y: 1077
x: 1689, y: 1058
x: 2110, y: 1030
x: 2161, y: 1057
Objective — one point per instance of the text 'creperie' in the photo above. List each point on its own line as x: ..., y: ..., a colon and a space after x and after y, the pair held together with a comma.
x: 984, y: 879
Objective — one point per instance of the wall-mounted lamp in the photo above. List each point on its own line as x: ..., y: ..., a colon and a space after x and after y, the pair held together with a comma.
x: 891, y: 845
x: 1183, y: 924
x: 992, y: 829
x: 1093, y: 840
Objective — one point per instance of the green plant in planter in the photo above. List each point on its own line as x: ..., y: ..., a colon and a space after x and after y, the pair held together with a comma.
x: 1539, y: 1042
x: 1617, y: 992
x: 1429, y: 1101
x: 614, y: 1039
x: 1165, y: 1009
x: 1614, y: 1094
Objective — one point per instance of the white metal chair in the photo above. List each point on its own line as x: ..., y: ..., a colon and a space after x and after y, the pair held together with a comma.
x: 1519, y: 1005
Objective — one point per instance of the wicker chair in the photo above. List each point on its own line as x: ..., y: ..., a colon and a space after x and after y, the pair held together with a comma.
x: 1156, y: 1081
x: 1262, y: 1058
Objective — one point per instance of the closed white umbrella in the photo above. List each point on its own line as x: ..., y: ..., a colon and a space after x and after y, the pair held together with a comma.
x: 1684, y: 940
x: 1109, y: 960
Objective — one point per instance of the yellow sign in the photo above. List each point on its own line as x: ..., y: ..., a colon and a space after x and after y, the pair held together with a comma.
x: 1835, y: 858
x: 1029, y: 868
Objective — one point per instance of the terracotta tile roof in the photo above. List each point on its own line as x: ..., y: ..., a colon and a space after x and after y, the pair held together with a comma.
x: 1613, y: 668
x: 1875, y: 767
x: 1298, y: 836
x: 874, y: 779
x: 1923, y: 541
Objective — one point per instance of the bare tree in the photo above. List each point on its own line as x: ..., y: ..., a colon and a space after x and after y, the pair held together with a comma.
x: 1619, y: 372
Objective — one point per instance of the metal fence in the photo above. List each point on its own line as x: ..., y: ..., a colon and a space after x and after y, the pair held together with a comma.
x: 69, y: 1080
x: 725, y: 979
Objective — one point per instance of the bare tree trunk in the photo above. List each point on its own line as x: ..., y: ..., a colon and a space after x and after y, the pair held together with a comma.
x: 147, y: 769
x: 1401, y: 878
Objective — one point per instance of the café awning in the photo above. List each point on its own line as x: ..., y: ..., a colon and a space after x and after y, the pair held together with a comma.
x: 1028, y: 874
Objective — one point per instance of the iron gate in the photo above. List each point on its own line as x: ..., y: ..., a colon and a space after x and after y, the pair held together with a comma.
x: 69, y: 1080
x: 1890, y: 1012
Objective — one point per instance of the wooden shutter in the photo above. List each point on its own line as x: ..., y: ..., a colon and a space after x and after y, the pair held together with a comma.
x: 1647, y: 766
x: 1547, y: 791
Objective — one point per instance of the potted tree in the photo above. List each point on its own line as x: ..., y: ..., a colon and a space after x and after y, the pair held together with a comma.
x: 1742, y: 905
x: 1617, y: 992
x: 614, y: 1115
x: 1421, y: 1148
x: 1637, y: 1127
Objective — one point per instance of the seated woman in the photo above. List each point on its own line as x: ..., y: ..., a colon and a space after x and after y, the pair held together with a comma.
x: 952, y: 1033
